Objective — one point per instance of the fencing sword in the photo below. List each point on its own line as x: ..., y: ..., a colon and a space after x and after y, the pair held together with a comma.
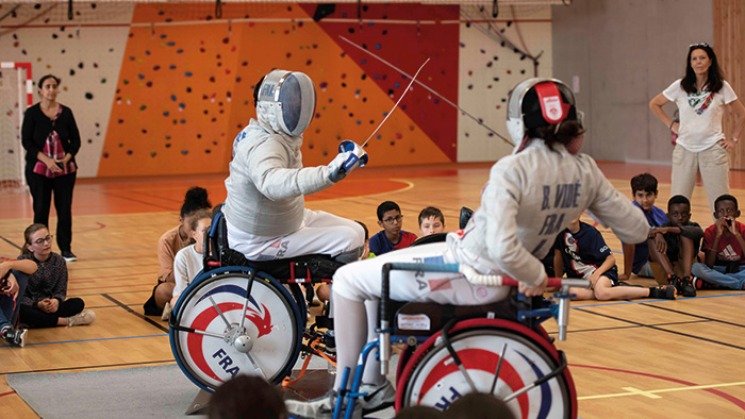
x: 429, y: 89
x: 359, y: 156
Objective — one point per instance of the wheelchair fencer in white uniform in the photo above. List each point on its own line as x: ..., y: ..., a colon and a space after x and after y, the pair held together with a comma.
x: 529, y: 198
x: 236, y: 316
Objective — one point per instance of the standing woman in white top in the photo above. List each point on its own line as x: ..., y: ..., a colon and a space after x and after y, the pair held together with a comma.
x: 701, y: 97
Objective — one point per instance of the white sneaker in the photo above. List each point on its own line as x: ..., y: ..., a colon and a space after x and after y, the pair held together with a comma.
x: 378, y: 397
x: 15, y: 337
x: 81, y: 319
x: 167, y: 310
x: 320, y: 408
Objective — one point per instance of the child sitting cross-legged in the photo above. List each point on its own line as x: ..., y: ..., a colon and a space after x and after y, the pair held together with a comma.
x: 723, y: 246
x: 581, y: 252
x: 678, y: 250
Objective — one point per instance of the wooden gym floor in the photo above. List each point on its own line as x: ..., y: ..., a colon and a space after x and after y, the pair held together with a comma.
x: 643, y: 358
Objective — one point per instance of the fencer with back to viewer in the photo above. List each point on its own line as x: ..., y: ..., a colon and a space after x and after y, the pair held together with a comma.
x: 265, y: 207
x: 529, y: 198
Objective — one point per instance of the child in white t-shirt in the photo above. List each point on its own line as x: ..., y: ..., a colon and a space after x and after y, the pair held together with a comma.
x: 188, y: 262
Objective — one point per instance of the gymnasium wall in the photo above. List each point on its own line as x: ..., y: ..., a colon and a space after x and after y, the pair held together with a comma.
x: 619, y: 55
x: 163, y: 88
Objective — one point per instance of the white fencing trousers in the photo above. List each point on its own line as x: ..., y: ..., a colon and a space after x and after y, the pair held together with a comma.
x: 360, y: 281
x: 320, y: 233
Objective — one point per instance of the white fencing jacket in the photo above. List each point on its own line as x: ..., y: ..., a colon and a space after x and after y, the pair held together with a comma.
x: 529, y: 199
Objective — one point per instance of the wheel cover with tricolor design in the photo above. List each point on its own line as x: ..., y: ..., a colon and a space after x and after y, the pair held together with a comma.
x: 431, y: 377
x: 271, y: 324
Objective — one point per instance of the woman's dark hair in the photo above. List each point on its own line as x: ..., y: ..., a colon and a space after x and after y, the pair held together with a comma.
x: 195, y: 200
x: 714, y: 83
x: 45, y: 77
x: 33, y: 228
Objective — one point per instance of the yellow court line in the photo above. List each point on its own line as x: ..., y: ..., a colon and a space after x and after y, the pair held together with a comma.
x: 631, y: 391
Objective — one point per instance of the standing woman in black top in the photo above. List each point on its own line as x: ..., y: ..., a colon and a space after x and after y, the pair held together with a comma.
x: 51, y: 139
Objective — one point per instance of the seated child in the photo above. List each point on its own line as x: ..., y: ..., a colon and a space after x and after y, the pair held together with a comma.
x: 723, y: 246
x: 169, y: 244
x: 581, y: 252
x: 392, y: 237
x: 13, y: 281
x: 636, y: 258
x: 45, y: 302
x: 682, y: 241
x: 366, y: 254
x: 479, y: 406
x: 246, y: 396
x: 431, y: 221
x: 189, y: 260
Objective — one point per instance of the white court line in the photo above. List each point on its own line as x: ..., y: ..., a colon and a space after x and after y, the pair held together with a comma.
x: 631, y: 391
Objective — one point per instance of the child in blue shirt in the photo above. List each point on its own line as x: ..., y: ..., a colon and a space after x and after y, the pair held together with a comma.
x: 392, y: 237
x: 636, y: 257
x: 581, y: 252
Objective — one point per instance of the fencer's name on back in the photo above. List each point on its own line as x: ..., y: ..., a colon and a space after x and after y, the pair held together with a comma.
x: 543, y: 202
x: 566, y: 195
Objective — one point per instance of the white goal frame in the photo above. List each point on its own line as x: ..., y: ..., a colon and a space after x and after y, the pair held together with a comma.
x: 25, y: 88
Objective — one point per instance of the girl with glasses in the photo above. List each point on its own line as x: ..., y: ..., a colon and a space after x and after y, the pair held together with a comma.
x: 45, y: 302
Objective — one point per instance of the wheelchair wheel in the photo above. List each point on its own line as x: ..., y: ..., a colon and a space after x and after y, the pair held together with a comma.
x: 212, y: 340
x: 431, y: 377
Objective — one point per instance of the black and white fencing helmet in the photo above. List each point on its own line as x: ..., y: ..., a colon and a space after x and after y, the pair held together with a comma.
x: 536, y: 103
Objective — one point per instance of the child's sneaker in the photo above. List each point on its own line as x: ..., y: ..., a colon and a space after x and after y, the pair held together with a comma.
x: 672, y: 279
x: 167, y: 310
x: 665, y: 292
x: 685, y: 287
x: 15, y: 337
x: 700, y: 284
x: 81, y: 319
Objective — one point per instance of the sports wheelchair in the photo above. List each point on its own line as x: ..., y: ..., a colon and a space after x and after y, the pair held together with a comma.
x: 240, y: 316
x: 499, y: 348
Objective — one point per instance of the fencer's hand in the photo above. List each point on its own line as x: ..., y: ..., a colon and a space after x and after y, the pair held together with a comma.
x: 336, y: 167
x: 535, y: 290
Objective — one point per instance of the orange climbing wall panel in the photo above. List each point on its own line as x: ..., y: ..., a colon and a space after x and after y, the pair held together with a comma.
x: 185, y: 88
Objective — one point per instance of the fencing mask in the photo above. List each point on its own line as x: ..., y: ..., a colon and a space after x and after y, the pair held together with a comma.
x: 286, y: 101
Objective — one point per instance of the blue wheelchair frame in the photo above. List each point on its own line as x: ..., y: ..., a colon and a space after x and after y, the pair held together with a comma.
x: 529, y: 317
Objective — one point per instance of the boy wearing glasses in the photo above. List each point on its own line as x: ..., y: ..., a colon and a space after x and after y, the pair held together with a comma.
x: 723, y: 247
x: 392, y: 237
